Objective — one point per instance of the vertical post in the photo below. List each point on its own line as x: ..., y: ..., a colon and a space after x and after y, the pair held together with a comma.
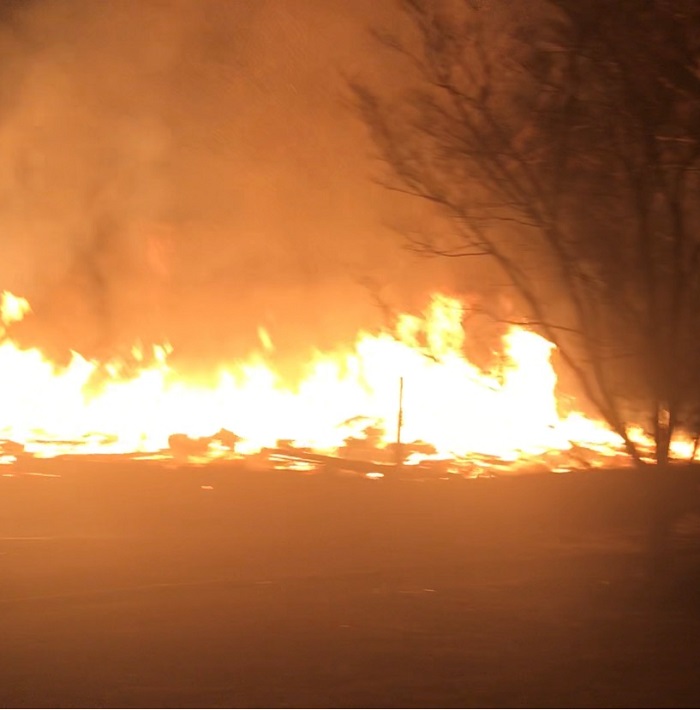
x: 399, y: 426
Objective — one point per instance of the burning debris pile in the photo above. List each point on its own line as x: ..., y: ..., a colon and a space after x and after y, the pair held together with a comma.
x: 407, y: 397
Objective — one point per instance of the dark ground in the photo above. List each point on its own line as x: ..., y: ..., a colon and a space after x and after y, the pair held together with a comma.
x: 126, y: 585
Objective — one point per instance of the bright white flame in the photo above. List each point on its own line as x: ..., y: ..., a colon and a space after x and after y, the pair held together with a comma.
x: 13, y: 308
x: 448, y: 401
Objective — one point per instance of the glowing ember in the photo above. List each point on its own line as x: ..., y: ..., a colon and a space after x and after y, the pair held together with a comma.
x: 346, y: 397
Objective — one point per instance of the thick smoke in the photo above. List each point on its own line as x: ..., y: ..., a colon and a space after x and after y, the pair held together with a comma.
x: 190, y: 170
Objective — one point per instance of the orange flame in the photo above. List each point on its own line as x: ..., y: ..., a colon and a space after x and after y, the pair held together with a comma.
x: 449, y: 403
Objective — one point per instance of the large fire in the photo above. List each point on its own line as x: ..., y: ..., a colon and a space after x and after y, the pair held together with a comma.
x: 348, y: 401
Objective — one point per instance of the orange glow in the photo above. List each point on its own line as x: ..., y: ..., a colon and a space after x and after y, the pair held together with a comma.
x: 464, y: 413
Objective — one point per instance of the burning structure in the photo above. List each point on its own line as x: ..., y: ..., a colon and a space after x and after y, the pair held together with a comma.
x: 346, y: 405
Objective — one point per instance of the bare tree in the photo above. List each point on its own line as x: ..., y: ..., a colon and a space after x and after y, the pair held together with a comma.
x: 562, y: 140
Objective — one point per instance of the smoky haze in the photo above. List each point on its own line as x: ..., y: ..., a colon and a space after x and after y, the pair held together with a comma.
x: 191, y: 171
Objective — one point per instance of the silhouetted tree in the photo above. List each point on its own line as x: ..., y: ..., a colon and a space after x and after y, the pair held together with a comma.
x: 562, y: 140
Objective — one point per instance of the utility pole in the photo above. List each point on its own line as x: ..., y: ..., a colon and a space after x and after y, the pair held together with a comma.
x: 399, y: 426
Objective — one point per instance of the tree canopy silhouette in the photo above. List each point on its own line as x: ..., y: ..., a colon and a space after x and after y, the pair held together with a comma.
x: 562, y: 140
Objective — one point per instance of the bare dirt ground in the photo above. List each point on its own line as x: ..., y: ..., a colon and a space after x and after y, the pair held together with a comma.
x: 129, y: 587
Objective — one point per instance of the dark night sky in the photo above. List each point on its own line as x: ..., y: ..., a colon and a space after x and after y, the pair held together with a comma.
x: 190, y: 170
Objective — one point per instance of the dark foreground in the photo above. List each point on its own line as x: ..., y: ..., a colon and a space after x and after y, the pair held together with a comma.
x: 124, y: 587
